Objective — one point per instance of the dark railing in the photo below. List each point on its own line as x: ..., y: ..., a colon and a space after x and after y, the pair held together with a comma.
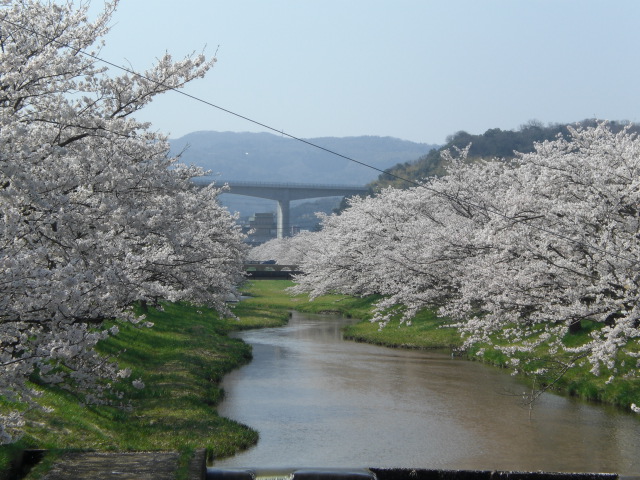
x: 271, y: 270
x: 396, y: 474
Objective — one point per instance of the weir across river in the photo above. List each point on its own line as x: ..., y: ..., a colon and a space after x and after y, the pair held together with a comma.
x: 284, y: 193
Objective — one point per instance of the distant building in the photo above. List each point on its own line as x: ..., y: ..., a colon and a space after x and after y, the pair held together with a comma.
x: 263, y: 227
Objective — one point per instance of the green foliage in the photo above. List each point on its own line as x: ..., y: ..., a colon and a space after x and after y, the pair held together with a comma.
x: 426, y: 331
x: 185, y: 355
x: 181, y: 360
x: 271, y: 296
x: 547, y: 370
x: 494, y: 143
x: 9, y: 457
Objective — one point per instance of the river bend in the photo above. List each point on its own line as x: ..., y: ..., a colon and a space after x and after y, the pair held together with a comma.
x: 320, y: 401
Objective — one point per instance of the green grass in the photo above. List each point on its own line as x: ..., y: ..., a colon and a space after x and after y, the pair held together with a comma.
x: 272, y: 296
x: 427, y: 331
x: 621, y: 390
x: 181, y: 360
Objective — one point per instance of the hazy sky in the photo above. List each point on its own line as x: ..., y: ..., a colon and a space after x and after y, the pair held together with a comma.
x: 414, y: 69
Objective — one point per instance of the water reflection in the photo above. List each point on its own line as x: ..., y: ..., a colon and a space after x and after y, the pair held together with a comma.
x: 318, y: 401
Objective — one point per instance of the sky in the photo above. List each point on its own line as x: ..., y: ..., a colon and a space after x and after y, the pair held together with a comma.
x: 418, y: 70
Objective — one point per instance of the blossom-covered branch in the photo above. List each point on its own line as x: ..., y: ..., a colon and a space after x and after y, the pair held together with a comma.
x: 95, y: 213
x: 517, y: 253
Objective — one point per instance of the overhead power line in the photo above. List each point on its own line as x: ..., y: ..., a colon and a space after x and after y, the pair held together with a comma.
x: 203, y: 101
x: 311, y: 144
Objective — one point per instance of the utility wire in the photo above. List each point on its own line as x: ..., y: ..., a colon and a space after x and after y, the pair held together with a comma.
x: 203, y: 101
x: 314, y: 145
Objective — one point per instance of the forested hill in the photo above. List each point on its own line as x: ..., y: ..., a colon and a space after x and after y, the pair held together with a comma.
x: 273, y: 158
x: 491, y: 144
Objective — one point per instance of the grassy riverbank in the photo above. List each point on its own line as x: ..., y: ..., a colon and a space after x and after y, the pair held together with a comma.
x: 426, y: 332
x: 188, y: 351
x: 271, y: 297
x: 181, y: 360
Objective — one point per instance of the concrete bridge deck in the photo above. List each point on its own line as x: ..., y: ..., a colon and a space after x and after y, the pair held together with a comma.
x: 283, y: 194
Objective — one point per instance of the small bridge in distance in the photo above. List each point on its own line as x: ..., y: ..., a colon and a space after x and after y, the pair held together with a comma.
x: 271, y: 270
x: 283, y: 193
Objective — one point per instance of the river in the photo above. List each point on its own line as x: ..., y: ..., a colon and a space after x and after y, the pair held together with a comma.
x: 320, y: 401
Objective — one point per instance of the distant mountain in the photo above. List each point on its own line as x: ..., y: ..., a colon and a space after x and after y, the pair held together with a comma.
x: 273, y: 158
x: 266, y: 157
x: 494, y: 143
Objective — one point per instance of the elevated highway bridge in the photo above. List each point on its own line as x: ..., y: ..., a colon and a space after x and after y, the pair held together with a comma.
x: 283, y: 194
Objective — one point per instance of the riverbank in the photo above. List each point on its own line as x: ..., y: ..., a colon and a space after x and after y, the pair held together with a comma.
x: 186, y: 354
x: 427, y: 332
x: 181, y: 360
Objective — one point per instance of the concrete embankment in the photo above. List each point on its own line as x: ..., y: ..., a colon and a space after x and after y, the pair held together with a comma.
x: 125, y: 466
x: 165, y: 466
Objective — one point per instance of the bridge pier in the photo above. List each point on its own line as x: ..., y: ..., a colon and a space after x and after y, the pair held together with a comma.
x: 284, y: 193
x: 284, y: 216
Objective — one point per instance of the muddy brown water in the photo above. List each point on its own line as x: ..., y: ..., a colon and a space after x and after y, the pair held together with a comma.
x: 320, y: 401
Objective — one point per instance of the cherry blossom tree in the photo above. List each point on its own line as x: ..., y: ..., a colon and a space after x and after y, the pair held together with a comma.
x: 563, y: 239
x: 95, y: 214
x: 517, y: 254
x: 285, y: 251
x: 394, y: 244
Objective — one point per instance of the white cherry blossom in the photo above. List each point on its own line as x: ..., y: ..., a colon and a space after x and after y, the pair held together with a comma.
x: 95, y: 214
x: 524, y: 250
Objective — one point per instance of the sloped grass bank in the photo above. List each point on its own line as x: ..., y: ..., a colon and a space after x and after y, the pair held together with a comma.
x: 184, y: 356
x: 181, y: 360
x: 271, y: 296
x: 427, y: 332
x: 620, y: 388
